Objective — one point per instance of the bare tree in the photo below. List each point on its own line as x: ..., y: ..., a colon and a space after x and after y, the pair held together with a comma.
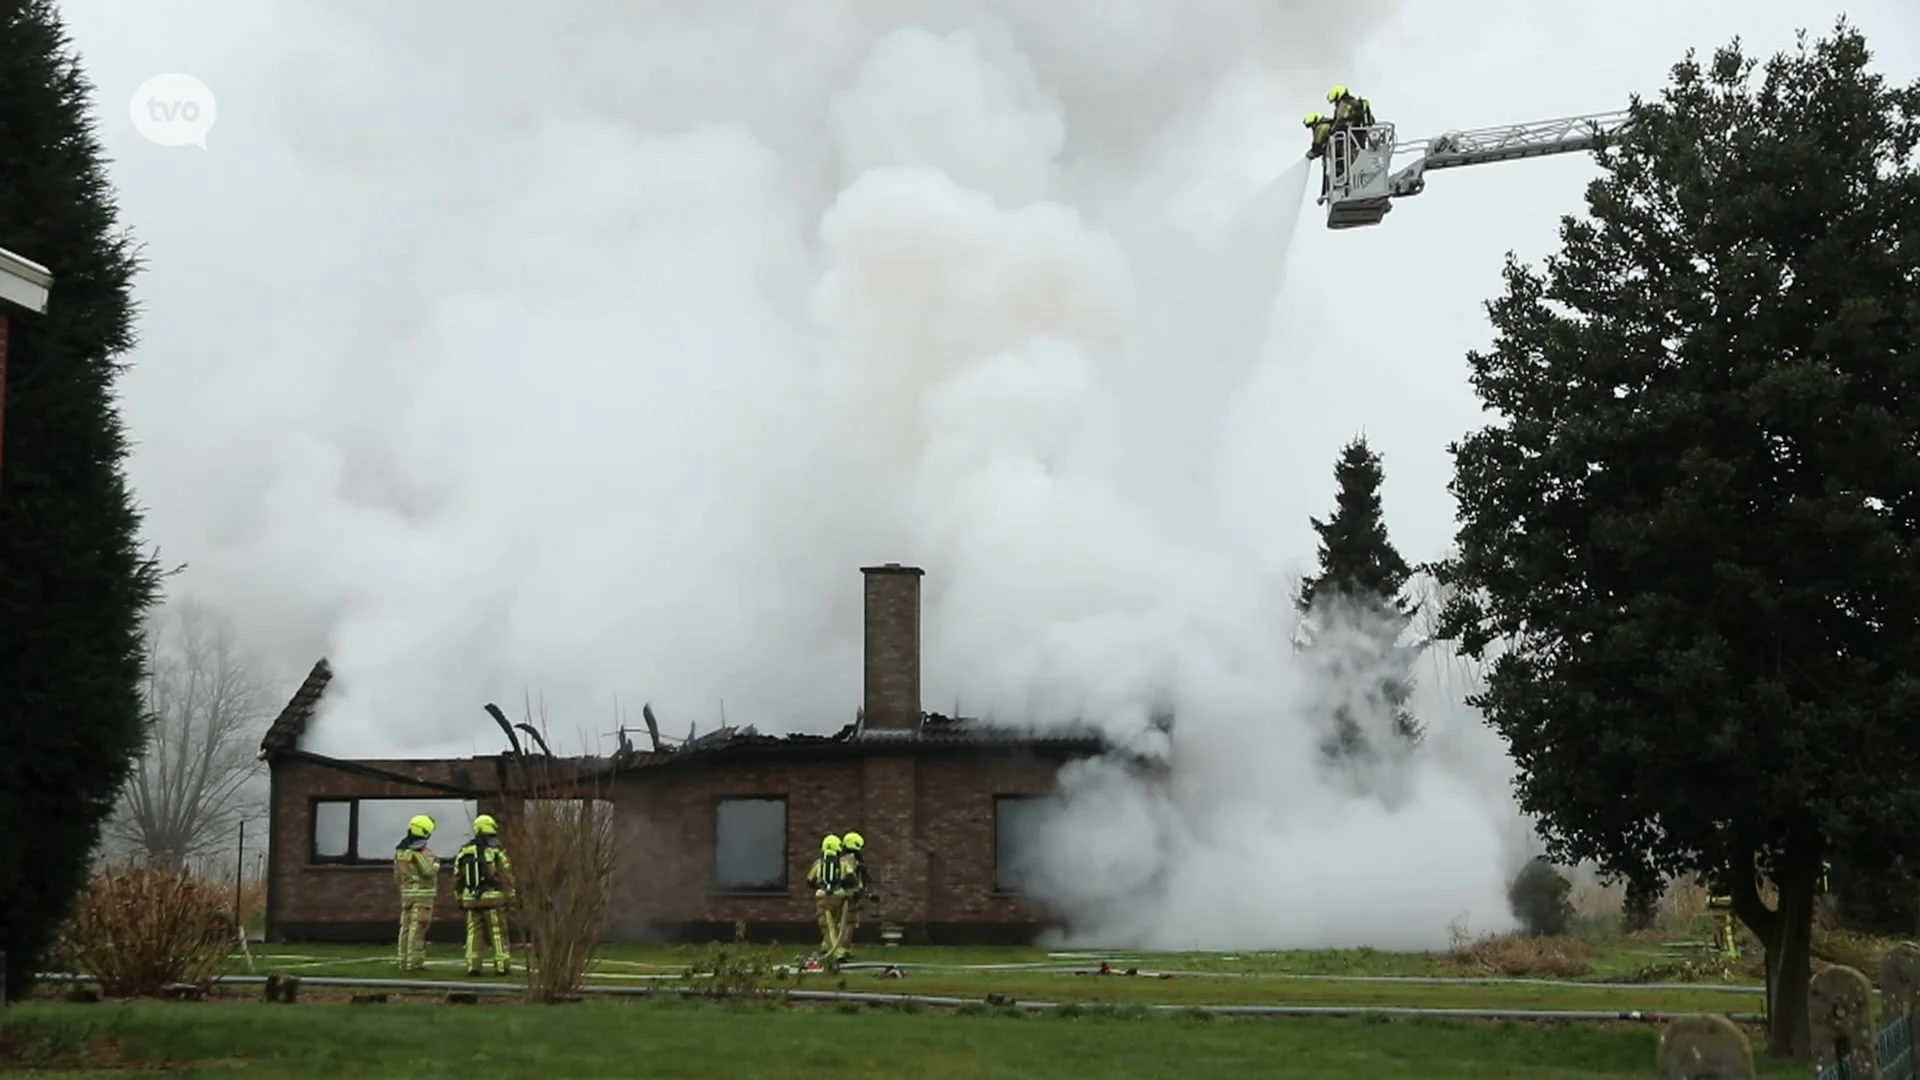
x: 206, y: 706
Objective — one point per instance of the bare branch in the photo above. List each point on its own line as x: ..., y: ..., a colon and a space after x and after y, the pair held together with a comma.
x: 206, y: 707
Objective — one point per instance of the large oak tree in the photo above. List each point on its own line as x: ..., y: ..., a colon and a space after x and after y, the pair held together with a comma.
x: 1694, y: 520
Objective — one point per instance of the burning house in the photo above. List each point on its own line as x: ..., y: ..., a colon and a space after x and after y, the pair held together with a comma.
x: 712, y: 831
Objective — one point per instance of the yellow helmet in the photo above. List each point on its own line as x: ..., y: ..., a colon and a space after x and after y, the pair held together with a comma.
x: 421, y: 825
x: 484, y: 825
x: 1336, y: 93
x: 1312, y: 118
x: 853, y: 841
x: 830, y: 845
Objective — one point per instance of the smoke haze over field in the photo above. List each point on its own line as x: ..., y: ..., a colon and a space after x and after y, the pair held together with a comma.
x: 594, y: 357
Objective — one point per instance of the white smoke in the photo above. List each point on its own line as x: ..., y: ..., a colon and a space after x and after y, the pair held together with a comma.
x: 693, y: 309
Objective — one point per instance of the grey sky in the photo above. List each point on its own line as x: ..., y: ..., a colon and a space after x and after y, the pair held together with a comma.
x: 449, y: 372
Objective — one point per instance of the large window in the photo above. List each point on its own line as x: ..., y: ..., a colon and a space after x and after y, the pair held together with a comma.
x: 367, y: 830
x: 750, y: 845
x: 1017, y: 822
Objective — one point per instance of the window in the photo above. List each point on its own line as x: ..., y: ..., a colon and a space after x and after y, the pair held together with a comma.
x: 1017, y: 822
x: 332, y: 829
x: 750, y: 845
x: 364, y: 831
x: 566, y: 812
x: 549, y: 822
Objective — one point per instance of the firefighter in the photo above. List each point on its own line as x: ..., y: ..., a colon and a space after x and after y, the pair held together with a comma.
x: 1350, y: 112
x: 1321, y: 126
x: 853, y: 848
x: 1720, y: 907
x: 827, y: 875
x: 485, y: 877
x: 417, y: 872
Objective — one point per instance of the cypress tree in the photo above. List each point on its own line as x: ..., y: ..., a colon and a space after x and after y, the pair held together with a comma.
x: 74, y: 586
x: 1361, y: 579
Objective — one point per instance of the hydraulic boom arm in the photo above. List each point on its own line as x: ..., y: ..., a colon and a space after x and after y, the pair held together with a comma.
x: 1362, y: 181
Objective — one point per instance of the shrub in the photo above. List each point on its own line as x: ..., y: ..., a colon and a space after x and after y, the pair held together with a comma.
x: 1641, y: 905
x: 1538, y: 898
x: 1880, y: 901
x: 1525, y: 956
x: 562, y: 845
x: 740, y: 970
x: 141, y: 927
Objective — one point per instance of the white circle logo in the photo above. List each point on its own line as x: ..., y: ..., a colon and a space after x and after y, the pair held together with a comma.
x: 173, y: 110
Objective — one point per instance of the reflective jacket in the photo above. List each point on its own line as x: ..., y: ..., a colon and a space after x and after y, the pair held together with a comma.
x: 415, y: 869
x: 855, y: 872
x: 1353, y: 112
x: 1321, y: 133
x: 482, y: 874
x: 827, y: 875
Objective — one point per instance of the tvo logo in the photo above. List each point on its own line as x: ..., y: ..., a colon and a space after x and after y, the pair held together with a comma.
x: 174, y: 110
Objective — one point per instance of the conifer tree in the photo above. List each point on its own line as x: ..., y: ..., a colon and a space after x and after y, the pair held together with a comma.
x: 1359, y: 588
x: 74, y: 586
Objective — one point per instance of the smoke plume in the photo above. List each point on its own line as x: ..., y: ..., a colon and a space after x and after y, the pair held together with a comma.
x: 683, y: 311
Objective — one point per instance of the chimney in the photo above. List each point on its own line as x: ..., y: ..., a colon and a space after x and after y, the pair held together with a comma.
x: 892, y: 700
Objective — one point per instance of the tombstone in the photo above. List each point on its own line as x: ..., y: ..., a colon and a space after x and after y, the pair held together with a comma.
x: 1840, y: 1007
x: 1704, y: 1048
x: 1900, y: 982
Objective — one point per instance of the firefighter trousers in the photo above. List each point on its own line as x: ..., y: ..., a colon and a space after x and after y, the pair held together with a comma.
x: 492, y: 922
x: 415, y: 913
x: 830, y: 908
x: 849, y: 922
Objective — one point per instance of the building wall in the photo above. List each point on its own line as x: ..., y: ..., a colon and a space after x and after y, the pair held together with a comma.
x: 352, y: 902
x: 928, y: 821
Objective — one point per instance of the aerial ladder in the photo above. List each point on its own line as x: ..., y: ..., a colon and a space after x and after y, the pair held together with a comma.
x: 1362, y: 180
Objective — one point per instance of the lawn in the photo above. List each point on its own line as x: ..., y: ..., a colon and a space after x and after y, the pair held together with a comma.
x: 679, y: 1039
x: 1620, y: 959
x: 1328, y: 978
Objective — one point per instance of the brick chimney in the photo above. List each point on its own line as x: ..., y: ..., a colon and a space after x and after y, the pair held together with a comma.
x: 892, y: 699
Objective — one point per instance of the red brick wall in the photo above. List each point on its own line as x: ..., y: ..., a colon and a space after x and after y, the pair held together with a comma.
x: 927, y: 819
x: 358, y: 900
x: 892, y: 646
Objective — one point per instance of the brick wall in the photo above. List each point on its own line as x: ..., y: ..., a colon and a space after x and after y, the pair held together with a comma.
x: 927, y: 819
x: 353, y: 902
x: 892, y: 646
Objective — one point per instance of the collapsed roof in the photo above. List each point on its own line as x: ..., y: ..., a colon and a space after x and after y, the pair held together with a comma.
x: 890, y: 715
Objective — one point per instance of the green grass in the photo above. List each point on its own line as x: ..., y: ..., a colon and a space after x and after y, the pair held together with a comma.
x: 1612, y: 961
x: 698, y: 1040
x: 1240, y: 979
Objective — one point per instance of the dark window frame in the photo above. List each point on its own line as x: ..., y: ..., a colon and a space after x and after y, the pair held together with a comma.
x: 785, y: 885
x: 351, y: 858
x: 1000, y: 888
x: 314, y: 858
